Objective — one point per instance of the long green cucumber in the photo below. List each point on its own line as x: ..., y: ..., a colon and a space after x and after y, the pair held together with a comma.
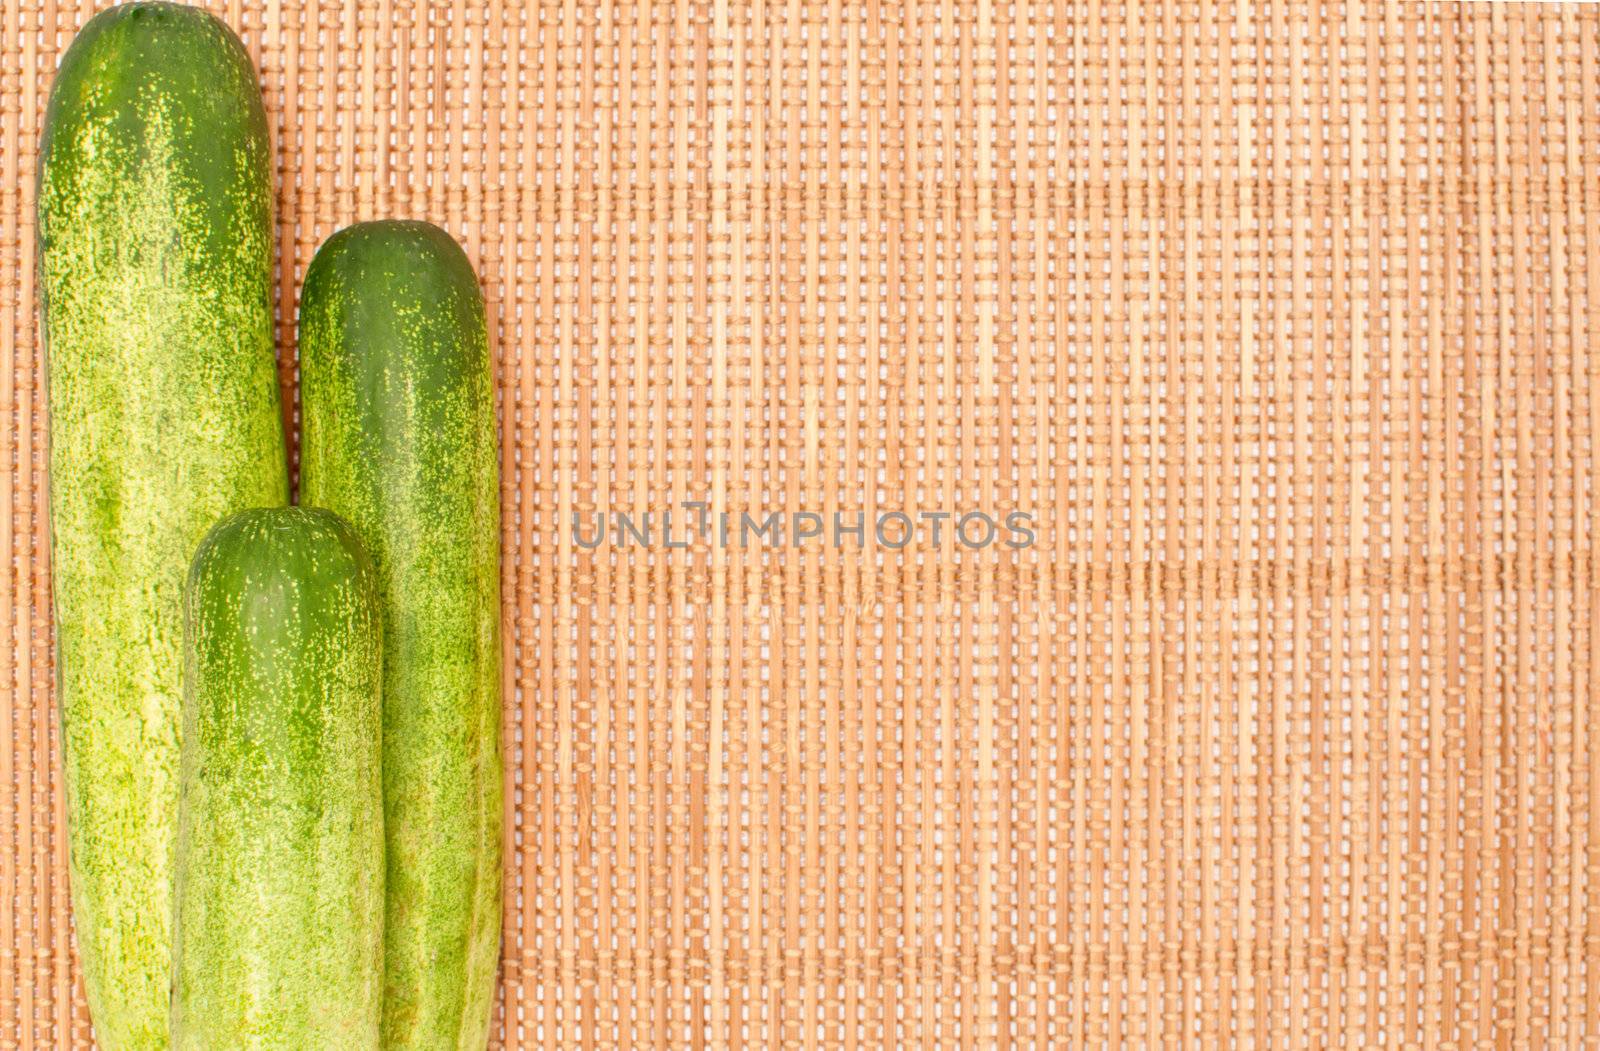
x: 278, y: 925
x: 397, y: 401
x: 154, y: 226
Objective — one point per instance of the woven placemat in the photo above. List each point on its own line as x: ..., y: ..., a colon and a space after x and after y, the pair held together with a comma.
x: 1277, y: 320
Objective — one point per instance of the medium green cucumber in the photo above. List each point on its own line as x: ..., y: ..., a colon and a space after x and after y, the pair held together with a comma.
x: 154, y: 226
x: 397, y: 401
x: 278, y: 925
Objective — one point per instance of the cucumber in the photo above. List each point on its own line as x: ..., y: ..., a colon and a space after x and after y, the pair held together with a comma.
x: 154, y: 228
x: 278, y: 924
x: 397, y: 403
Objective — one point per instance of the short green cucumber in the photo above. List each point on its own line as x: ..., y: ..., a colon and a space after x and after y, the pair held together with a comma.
x: 155, y: 248
x: 278, y: 924
x: 397, y: 400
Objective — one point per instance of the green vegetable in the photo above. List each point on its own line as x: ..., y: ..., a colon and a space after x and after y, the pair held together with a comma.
x: 155, y: 223
x: 397, y: 400
x: 278, y: 929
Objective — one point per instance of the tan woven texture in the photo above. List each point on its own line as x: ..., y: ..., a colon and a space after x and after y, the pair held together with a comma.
x: 1278, y: 319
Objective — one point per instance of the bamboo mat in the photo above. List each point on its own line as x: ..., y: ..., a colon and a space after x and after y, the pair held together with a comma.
x: 1278, y: 319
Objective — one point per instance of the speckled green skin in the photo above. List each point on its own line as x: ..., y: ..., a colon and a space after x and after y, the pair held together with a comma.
x: 155, y: 264
x: 398, y: 407
x: 278, y: 925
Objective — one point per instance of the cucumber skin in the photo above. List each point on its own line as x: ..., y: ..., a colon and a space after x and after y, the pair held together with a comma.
x: 397, y: 403
x: 154, y: 229
x: 278, y: 925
